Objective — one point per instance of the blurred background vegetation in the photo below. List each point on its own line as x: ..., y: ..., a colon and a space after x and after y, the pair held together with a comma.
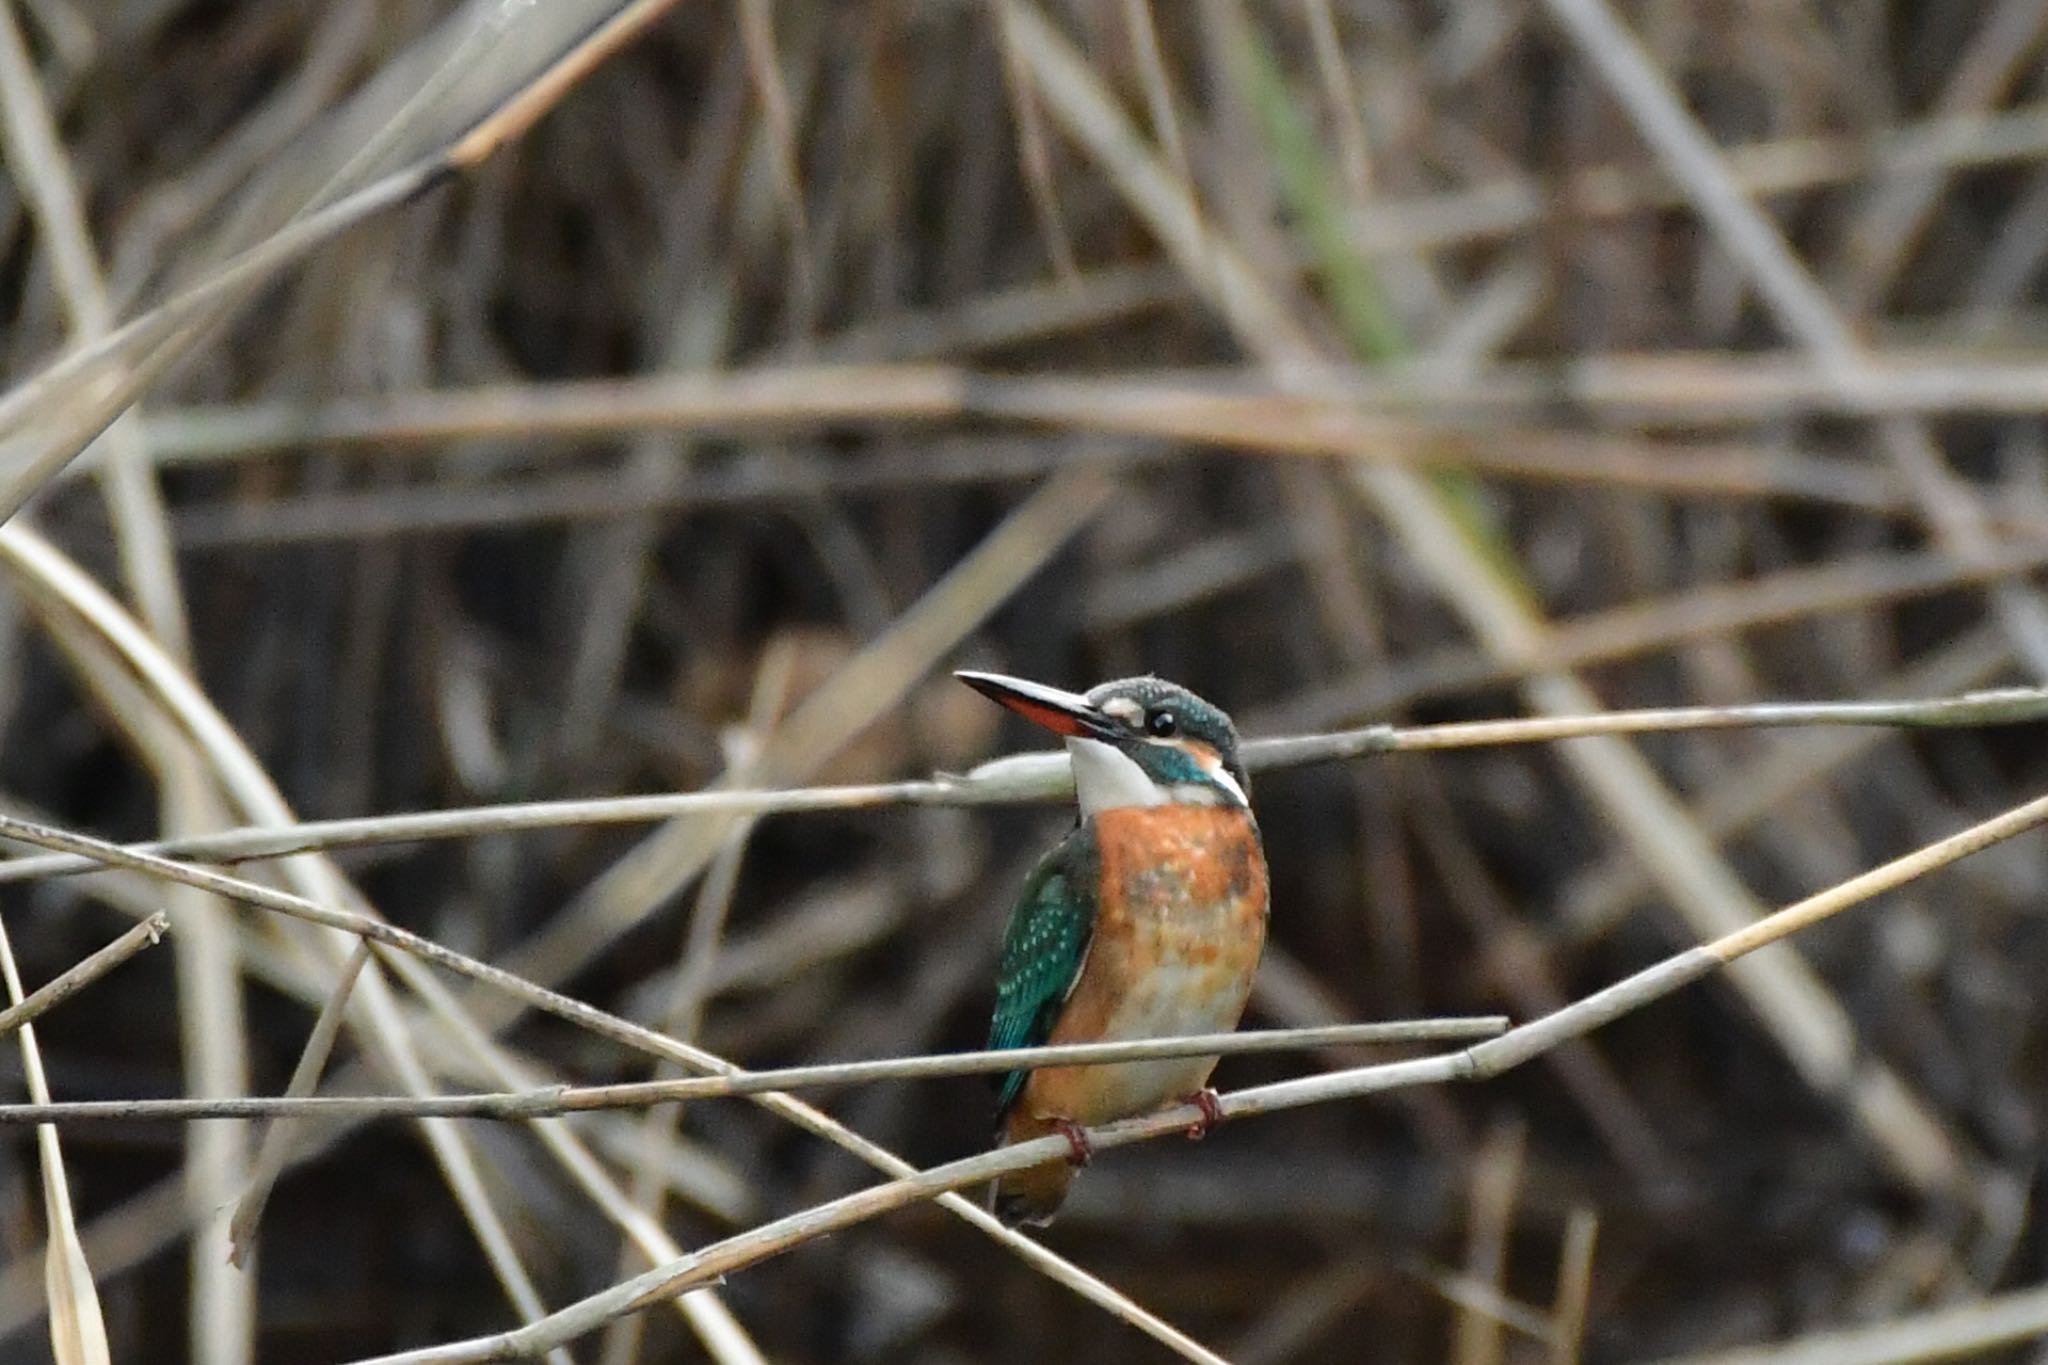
x: 1341, y: 359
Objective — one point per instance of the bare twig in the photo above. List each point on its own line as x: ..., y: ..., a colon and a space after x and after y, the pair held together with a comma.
x: 1497, y: 604
x: 54, y: 992
x: 1483, y: 1061
x: 1579, y: 462
x: 1952, y: 510
x: 1947, y: 1333
x: 1574, y: 1287
x: 1495, y: 1190
x: 109, y: 373
x: 1046, y: 776
x: 210, y: 1015
x: 274, y: 1149
x: 78, y: 1332
x: 1382, y: 415
x: 49, y: 573
x: 555, y: 1100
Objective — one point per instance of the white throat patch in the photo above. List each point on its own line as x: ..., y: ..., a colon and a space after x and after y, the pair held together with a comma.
x: 1106, y: 779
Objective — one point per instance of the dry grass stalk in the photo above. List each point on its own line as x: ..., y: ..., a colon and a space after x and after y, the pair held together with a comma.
x: 1484, y: 1060
x: 78, y: 1334
x: 1438, y: 361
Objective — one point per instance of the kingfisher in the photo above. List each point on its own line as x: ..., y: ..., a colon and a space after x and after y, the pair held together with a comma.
x: 1146, y: 921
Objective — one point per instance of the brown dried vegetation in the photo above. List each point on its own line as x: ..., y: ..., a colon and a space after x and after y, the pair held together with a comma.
x: 1340, y: 359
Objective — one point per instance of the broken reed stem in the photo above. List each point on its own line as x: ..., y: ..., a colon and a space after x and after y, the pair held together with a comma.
x: 274, y: 1148
x: 1487, y: 1059
x: 511, y: 120
x: 1044, y: 776
x: 114, y: 369
x: 144, y: 935
x: 550, y: 1101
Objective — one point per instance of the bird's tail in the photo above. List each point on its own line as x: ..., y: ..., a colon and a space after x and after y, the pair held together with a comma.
x: 1033, y: 1195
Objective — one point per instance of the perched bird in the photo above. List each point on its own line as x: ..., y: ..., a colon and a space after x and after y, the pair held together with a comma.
x: 1146, y: 921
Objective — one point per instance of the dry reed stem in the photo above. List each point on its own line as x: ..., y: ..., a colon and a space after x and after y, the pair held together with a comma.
x: 211, y: 1025
x: 1948, y: 1333
x: 555, y: 1100
x: 1495, y: 1189
x: 1316, y: 409
x: 1046, y: 776
x: 1890, y: 222
x: 1603, y: 894
x: 274, y: 1147
x: 1698, y: 615
x: 109, y: 373
x: 1483, y: 1061
x: 74, y: 979
x: 391, y: 1042
x: 1800, y: 1011
x: 381, y: 933
x: 44, y: 570
x: 80, y: 616
x: 860, y: 692
x: 1483, y: 1303
x: 1569, y: 1310
x: 226, y: 1314
x: 1803, y: 307
x: 689, y: 993
x: 78, y: 1332
x: 1448, y: 101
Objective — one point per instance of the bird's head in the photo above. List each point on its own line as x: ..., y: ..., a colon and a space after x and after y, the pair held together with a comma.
x: 1134, y: 742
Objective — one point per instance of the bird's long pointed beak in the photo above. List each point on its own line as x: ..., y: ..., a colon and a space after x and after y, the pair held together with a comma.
x: 1063, y: 713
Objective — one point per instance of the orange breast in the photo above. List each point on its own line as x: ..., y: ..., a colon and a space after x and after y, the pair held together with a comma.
x: 1180, y: 924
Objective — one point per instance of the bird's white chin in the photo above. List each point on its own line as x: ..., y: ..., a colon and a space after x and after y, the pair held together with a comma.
x: 1105, y: 778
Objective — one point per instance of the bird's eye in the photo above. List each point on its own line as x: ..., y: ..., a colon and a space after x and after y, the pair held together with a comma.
x: 1162, y: 724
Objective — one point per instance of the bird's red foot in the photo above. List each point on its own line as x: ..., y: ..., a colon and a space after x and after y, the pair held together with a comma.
x: 1212, y: 1112
x: 1081, y: 1152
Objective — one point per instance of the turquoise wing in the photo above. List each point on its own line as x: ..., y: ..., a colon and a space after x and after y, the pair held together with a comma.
x: 1042, y: 954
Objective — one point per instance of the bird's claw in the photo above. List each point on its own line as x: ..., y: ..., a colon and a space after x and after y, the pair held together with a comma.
x: 1212, y: 1112
x: 1080, y: 1150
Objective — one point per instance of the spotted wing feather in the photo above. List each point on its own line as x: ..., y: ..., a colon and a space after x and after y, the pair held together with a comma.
x: 1043, y: 950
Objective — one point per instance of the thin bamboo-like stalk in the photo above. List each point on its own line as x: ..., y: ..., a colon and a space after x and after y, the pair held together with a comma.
x: 1807, y: 1020
x: 72, y: 980
x: 1428, y: 375
x: 1948, y: 1333
x: 1574, y: 1287
x: 1801, y: 305
x: 1040, y: 777
x: 78, y: 1331
x: 47, y: 571
x: 553, y: 1101
x: 212, y: 1028
x: 1483, y: 1061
